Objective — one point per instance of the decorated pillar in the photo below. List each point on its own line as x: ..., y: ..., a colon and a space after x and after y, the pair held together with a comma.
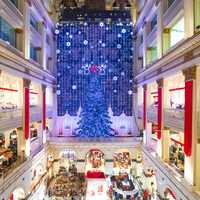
x: 145, y: 132
x: 26, y: 115
x: 43, y: 107
x: 160, y: 118
x: 144, y: 106
x: 190, y: 122
x: 26, y: 30
x: 197, y: 168
x: 160, y: 107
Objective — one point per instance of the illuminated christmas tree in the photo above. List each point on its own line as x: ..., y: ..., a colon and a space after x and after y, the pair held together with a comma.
x: 94, y: 117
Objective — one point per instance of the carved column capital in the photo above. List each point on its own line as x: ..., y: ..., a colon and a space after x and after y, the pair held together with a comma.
x: 44, y: 87
x: 160, y: 82
x: 188, y: 56
x: 54, y: 90
x: 144, y: 87
x: 26, y: 83
x: 166, y: 30
x: 190, y: 73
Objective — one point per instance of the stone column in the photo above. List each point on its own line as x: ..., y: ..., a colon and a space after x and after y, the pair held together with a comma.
x: 189, y: 18
x: 26, y: 115
x: 166, y: 143
x: 160, y: 29
x: 166, y: 39
x: 44, y: 46
x: 26, y: 29
x: 144, y: 50
x: 55, y: 115
x: 149, y: 134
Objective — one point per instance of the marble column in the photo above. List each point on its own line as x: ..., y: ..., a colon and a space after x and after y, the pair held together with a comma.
x: 160, y: 29
x: 189, y: 18
x: 26, y: 28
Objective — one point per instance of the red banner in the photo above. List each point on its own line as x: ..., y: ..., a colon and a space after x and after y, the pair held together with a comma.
x: 44, y: 110
x: 188, y: 118
x: 159, y: 112
x: 26, y: 112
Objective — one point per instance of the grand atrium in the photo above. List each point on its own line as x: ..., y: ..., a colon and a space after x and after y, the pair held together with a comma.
x: 99, y: 99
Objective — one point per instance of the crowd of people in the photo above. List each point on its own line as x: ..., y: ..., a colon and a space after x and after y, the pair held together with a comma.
x: 127, y: 182
x: 68, y: 184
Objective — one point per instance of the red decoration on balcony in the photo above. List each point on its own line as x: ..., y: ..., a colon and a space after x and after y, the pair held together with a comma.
x: 176, y: 89
x: 176, y: 141
x: 44, y: 109
x: 27, y: 112
x: 33, y: 92
x: 144, y: 108
x: 188, y: 118
x: 159, y: 112
x: 8, y: 89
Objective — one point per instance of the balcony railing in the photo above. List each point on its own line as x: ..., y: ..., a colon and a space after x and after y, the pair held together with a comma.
x: 174, y: 179
x: 36, y: 146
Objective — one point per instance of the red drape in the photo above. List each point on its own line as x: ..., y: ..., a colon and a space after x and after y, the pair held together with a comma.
x: 44, y: 110
x: 27, y: 112
x: 144, y: 108
x: 188, y: 118
x: 159, y: 112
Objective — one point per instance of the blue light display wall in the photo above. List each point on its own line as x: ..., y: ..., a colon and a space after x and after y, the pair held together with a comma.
x: 107, y: 47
